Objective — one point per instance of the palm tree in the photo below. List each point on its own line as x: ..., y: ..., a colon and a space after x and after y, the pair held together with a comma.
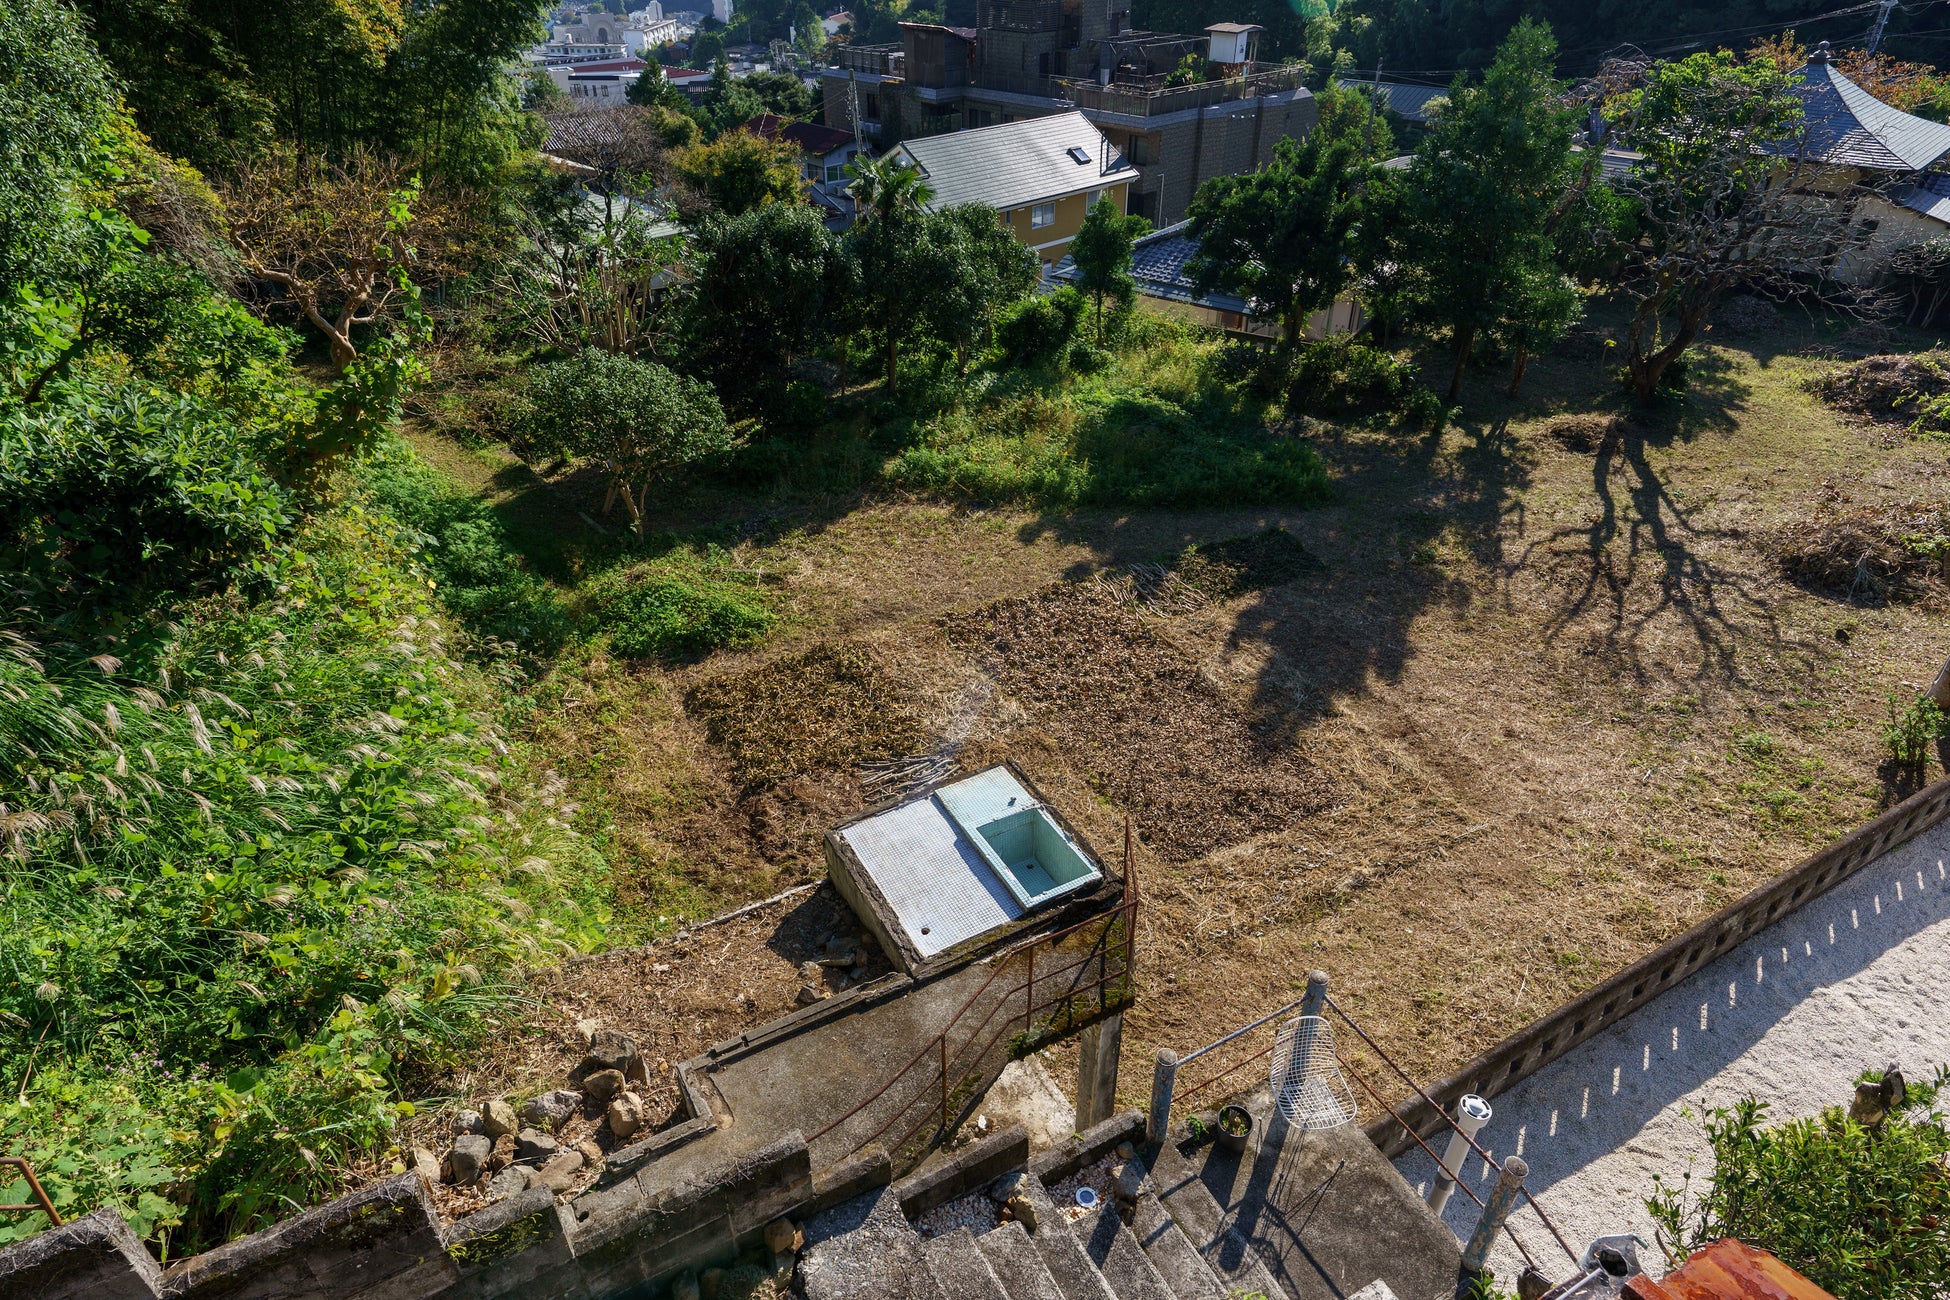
x: 887, y: 187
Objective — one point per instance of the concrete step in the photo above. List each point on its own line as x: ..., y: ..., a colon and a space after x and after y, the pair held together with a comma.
x: 1225, y: 1251
x: 1063, y: 1255
x: 960, y: 1268
x: 1172, y: 1253
x: 1120, y: 1259
x: 865, y: 1249
x: 1017, y: 1264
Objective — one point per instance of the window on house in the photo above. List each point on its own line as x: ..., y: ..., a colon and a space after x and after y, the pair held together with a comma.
x: 870, y: 107
x: 1138, y: 152
x: 1078, y: 154
x: 835, y: 174
x: 1043, y: 214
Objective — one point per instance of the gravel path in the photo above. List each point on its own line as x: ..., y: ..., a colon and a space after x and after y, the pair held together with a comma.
x: 1853, y: 980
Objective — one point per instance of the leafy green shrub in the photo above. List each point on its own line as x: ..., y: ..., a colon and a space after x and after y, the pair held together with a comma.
x: 1108, y: 447
x: 1864, y: 1214
x: 805, y: 404
x: 671, y: 613
x: 1344, y: 377
x: 1038, y: 330
x: 1913, y: 729
x: 478, y: 574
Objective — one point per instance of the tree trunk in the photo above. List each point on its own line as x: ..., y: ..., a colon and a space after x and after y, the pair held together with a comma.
x: 893, y: 360
x: 1464, y: 341
x: 1516, y: 370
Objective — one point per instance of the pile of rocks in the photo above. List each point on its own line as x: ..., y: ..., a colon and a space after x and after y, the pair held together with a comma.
x: 510, y: 1149
x: 759, y: 1273
x: 844, y: 964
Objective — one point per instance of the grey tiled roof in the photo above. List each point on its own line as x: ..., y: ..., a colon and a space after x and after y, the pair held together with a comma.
x: 1158, y: 265
x: 1018, y: 163
x: 1407, y: 99
x: 1847, y: 126
x: 1929, y: 195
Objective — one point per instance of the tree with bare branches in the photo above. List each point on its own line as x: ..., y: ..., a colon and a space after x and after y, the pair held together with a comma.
x: 1725, y: 199
x: 330, y: 237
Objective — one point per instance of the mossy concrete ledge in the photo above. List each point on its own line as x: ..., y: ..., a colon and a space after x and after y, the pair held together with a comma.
x: 96, y: 1257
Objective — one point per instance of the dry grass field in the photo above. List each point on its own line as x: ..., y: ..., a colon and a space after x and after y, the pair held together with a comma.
x: 1526, y: 697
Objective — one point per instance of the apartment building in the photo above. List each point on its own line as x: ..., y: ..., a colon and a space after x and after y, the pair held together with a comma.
x: 1179, y: 108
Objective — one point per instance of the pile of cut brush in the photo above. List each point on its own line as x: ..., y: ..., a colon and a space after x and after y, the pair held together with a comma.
x: 834, y: 705
x: 1154, y: 732
x: 1871, y: 554
x: 1911, y: 389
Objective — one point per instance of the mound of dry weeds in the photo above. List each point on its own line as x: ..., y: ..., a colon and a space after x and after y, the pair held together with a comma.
x: 1867, y: 553
x: 830, y: 706
x: 1886, y: 388
x: 1155, y: 734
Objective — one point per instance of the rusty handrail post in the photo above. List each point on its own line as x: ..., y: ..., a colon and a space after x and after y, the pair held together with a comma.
x: 1029, y: 996
x: 944, y: 1083
x: 45, y: 1206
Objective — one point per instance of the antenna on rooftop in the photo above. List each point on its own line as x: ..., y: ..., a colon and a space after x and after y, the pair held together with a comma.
x: 1882, y: 19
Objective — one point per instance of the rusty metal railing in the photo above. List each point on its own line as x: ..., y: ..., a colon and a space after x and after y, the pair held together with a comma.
x: 1447, y: 1119
x: 1047, y: 1000
x: 41, y: 1202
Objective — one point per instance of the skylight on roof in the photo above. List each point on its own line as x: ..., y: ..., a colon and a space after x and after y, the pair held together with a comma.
x: 1079, y: 154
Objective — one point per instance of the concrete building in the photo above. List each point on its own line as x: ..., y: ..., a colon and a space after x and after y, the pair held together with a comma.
x: 1179, y: 108
x: 1042, y: 175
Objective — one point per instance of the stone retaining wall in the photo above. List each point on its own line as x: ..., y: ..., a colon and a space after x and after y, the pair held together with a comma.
x: 1531, y: 1048
x: 384, y: 1242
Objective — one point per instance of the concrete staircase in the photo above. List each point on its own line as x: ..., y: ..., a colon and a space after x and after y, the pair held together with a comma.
x: 867, y: 1248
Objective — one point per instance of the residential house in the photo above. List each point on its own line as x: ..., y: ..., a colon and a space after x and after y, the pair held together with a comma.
x: 1414, y: 102
x: 1158, y: 265
x: 1893, y: 162
x: 824, y: 152
x: 834, y: 20
x: 1041, y: 175
x: 1179, y: 108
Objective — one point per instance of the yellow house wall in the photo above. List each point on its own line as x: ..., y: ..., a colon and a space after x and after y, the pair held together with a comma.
x: 1051, y: 242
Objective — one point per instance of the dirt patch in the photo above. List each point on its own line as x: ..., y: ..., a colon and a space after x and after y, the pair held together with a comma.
x: 1586, y: 434
x: 1868, y: 554
x: 1886, y: 389
x: 1156, y: 735
x: 830, y: 706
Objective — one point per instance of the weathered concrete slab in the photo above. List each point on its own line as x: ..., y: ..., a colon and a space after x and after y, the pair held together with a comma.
x: 1324, y: 1211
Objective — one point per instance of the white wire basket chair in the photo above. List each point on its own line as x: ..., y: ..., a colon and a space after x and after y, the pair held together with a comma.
x: 1308, y: 1086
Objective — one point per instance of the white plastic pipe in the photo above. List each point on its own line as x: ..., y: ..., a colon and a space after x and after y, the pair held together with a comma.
x: 1472, y: 1112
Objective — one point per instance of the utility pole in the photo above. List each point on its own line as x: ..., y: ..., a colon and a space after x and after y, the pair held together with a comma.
x: 1882, y: 19
x: 1374, y: 104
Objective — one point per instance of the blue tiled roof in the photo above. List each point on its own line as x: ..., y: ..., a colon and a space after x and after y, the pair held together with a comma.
x: 1847, y: 126
x: 1408, y: 99
x: 1158, y: 265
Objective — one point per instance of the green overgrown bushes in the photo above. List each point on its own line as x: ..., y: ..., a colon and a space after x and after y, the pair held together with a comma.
x: 1863, y: 1212
x: 1343, y: 377
x: 673, y: 611
x: 265, y: 871
x: 1913, y: 729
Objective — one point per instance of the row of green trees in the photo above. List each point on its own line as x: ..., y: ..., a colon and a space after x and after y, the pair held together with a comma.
x: 1505, y: 218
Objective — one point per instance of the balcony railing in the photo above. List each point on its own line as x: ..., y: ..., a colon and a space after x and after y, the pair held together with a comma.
x: 1023, y: 15
x: 1150, y: 97
x: 883, y: 60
